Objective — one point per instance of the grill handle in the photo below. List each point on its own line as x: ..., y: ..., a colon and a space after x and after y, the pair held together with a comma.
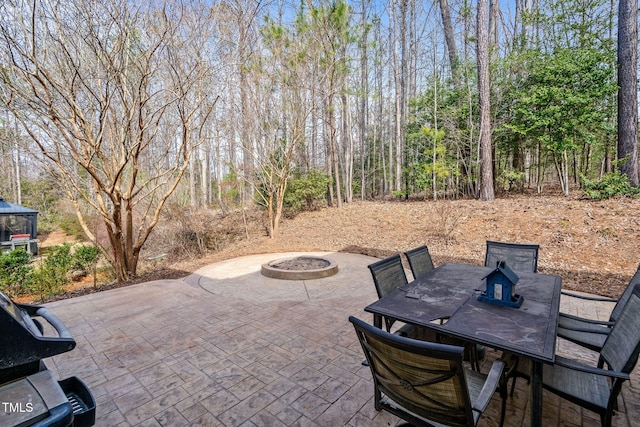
x: 62, y: 330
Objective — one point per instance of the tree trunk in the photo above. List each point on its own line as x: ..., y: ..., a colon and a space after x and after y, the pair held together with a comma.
x: 396, y: 80
x: 347, y: 141
x: 364, y: 95
x: 486, y: 158
x: 204, y: 172
x: 18, y: 174
x: 628, y: 89
x: 333, y: 147
x: 193, y: 199
x: 450, y: 41
x: 494, y: 11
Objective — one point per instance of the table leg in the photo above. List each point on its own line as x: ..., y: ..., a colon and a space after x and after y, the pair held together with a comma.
x: 535, y: 394
x: 377, y: 320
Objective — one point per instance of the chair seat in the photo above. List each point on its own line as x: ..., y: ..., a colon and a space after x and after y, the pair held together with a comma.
x: 590, y: 340
x: 386, y: 400
x: 575, y: 384
x: 566, y: 321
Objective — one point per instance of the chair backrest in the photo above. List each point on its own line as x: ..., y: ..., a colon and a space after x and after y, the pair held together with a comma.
x: 416, y: 377
x: 622, y: 301
x: 388, y: 274
x: 518, y: 257
x: 620, y: 350
x: 419, y: 260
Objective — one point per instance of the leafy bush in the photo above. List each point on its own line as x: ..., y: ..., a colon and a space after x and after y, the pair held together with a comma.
x: 18, y: 276
x: 304, y: 191
x: 399, y: 193
x: 53, y: 273
x: 15, y: 273
x: 510, y: 180
x: 84, y: 256
x: 612, y: 184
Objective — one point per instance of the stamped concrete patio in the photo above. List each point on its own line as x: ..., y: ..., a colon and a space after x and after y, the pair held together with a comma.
x: 229, y: 347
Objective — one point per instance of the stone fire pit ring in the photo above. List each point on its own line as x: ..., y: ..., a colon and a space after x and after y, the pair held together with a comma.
x: 304, y: 267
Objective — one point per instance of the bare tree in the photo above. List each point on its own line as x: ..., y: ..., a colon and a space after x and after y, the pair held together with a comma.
x: 109, y: 109
x: 282, y: 118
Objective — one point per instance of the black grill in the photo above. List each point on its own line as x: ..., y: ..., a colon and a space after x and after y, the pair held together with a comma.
x: 29, y: 394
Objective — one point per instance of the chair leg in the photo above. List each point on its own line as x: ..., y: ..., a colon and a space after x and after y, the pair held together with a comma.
x: 515, y: 377
x: 503, y: 396
x: 473, y: 355
x: 513, y: 386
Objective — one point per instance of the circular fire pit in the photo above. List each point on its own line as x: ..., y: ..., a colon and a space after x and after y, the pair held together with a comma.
x: 299, y: 268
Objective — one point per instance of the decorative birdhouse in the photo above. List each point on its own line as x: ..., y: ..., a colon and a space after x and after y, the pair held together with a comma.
x: 501, y: 284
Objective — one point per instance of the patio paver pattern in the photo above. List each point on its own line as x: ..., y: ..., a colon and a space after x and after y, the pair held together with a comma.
x: 229, y: 347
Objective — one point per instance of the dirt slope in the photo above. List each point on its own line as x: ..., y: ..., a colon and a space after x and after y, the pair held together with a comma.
x: 595, y: 246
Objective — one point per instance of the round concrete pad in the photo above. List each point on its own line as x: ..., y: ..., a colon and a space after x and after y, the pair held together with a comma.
x: 241, y: 278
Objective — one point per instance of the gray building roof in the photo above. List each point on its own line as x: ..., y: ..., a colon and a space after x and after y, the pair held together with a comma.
x: 7, y: 208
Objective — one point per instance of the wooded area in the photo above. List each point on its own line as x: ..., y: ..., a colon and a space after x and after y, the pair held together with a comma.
x: 130, y: 105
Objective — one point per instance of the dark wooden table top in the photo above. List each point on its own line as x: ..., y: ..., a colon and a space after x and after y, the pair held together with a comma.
x: 450, y: 292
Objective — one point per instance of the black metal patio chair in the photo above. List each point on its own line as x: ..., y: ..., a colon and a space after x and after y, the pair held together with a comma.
x: 388, y: 274
x: 597, y: 389
x: 419, y: 260
x: 425, y: 383
x: 592, y: 333
x: 518, y: 257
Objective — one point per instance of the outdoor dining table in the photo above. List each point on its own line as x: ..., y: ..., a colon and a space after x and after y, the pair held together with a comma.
x: 450, y: 292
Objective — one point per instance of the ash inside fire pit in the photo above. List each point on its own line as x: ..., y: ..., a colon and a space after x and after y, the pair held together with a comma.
x: 299, y: 268
x: 300, y: 263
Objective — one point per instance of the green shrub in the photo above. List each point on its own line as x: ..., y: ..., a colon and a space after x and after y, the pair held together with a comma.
x: 399, y: 194
x: 84, y: 257
x: 612, y: 184
x: 18, y: 276
x: 15, y: 272
x: 510, y: 180
x: 53, y: 272
x: 305, y: 191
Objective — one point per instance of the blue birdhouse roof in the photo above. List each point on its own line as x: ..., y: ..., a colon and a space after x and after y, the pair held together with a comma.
x: 504, y: 270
